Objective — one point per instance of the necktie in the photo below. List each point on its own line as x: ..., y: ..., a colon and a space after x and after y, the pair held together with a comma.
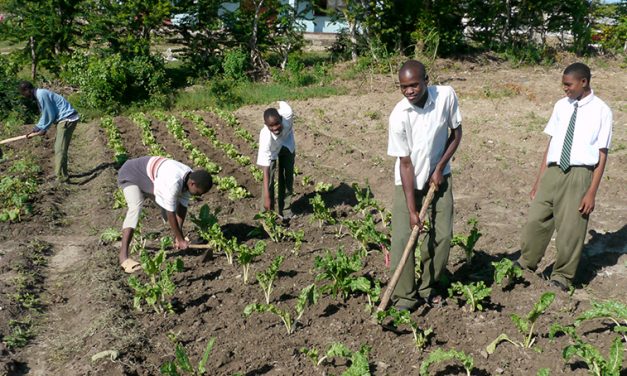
x: 568, y: 141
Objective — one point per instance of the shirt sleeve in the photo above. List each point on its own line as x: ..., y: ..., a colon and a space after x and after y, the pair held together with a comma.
x: 454, y: 115
x: 604, y: 139
x: 288, y: 117
x: 184, y: 199
x: 264, y: 156
x: 397, y: 137
x: 552, y: 124
x: 48, y: 111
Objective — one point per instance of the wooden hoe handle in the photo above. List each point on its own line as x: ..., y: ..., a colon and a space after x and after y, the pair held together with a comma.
x: 408, y: 249
x: 12, y: 139
x: 199, y: 246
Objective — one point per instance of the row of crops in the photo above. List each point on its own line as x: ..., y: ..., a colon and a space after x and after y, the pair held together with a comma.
x: 340, y: 275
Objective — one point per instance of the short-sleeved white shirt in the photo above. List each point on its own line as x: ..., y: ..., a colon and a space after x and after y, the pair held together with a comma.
x: 421, y: 133
x: 270, y: 144
x: 593, y: 130
x: 169, y: 180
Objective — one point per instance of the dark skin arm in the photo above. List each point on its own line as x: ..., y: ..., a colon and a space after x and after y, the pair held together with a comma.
x: 267, y: 204
x: 534, y: 189
x: 454, y: 139
x: 179, y: 239
x: 587, y: 202
x: 407, y: 180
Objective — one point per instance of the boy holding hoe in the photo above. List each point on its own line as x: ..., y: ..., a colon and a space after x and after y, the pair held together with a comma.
x: 169, y: 184
x: 277, y: 150
x: 565, y: 189
x: 424, y: 132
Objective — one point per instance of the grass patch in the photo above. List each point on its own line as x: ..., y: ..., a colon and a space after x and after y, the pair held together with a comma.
x: 248, y: 94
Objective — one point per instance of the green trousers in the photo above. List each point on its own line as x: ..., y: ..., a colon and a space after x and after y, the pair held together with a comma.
x: 61, y: 145
x: 555, y: 207
x: 435, y: 248
x: 284, y: 166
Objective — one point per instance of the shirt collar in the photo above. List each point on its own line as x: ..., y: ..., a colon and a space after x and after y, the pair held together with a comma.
x: 407, y: 105
x: 584, y: 101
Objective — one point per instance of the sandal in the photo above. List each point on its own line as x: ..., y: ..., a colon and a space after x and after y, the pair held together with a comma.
x: 435, y: 301
x: 130, y: 266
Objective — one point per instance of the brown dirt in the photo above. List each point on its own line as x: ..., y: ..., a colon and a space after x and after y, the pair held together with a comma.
x: 340, y: 140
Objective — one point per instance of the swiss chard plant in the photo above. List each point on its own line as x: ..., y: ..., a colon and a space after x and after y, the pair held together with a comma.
x: 322, y: 187
x: 267, y: 277
x: 358, y: 364
x: 440, y: 355
x: 612, y: 310
x: 473, y: 293
x: 181, y: 365
x: 598, y: 365
x: 159, y: 287
x: 525, y: 325
x: 246, y: 255
x: 307, y: 297
x: 506, y: 268
x: 320, y: 211
x: 403, y: 317
x: 338, y: 270
x: 366, y: 233
x: 468, y: 242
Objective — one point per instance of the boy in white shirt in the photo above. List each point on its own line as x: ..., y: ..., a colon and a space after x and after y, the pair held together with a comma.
x: 424, y: 132
x: 169, y: 184
x: 277, y: 150
x: 564, y: 192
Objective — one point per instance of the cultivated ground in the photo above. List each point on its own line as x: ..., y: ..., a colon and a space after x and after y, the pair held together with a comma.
x: 86, y: 304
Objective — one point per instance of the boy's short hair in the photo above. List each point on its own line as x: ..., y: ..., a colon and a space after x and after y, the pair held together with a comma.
x: 270, y: 113
x: 203, y: 179
x: 25, y: 85
x: 579, y: 70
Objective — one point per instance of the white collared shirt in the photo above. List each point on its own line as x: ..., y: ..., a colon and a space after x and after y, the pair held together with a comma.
x: 421, y: 133
x: 593, y: 130
x: 270, y: 144
x: 168, y: 182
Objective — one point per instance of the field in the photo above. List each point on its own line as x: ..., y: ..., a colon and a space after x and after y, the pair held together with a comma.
x: 64, y: 286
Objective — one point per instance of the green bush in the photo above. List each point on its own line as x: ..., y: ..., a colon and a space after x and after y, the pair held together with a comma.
x: 110, y: 82
x: 235, y: 65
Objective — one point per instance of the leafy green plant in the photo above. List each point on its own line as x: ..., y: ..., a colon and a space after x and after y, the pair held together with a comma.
x: 598, y: 365
x: 467, y: 243
x: 267, y: 277
x: 307, y: 297
x: 366, y: 233
x: 365, y: 199
x: 119, y: 201
x: 358, y: 360
x: 338, y: 270
x: 320, y: 211
x: 506, y: 268
x: 17, y: 189
x: 525, y: 324
x: 21, y: 333
x: 474, y: 293
x: 543, y: 372
x: 110, y: 235
x: 160, y: 284
x: 322, y: 187
x: 114, y: 140
x: 610, y: 309
x: 440, y: 355
x: 246, y: 255
x: 421, y: 337
x: 276, y: 231
x: 181, y: 365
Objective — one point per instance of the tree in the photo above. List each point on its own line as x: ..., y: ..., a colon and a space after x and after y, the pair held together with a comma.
x: 49, y: 28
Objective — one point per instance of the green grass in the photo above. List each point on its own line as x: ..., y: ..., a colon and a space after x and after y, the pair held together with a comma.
x: 250, y: 93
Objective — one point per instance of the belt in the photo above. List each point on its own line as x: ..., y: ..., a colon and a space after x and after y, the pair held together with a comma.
x: 554, y: 164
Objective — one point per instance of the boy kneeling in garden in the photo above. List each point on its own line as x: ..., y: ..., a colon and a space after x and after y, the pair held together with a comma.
x: 169, y: 184
x: 277, y: 146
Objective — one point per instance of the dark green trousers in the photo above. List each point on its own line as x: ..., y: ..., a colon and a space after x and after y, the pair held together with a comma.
x: 435, y: 248
x: 555, y: 207
x: 283, y: 166
x: 65, y: 129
